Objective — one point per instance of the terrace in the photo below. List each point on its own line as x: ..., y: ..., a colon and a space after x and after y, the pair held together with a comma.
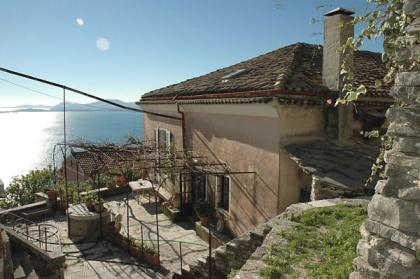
x: 178, y: 243
x: 129, y: 236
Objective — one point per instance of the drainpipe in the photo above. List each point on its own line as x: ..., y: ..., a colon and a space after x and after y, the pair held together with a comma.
x: 184, y: 139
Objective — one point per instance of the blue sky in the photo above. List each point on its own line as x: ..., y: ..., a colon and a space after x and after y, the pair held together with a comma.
x: 152, y: 43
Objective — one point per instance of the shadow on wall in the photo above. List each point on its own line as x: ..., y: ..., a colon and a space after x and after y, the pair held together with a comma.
x: 251, y: 196
x: 258, y: 132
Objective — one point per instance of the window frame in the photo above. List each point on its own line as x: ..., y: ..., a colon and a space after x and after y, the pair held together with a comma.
x: 206, y: 195
x: 168, y: 137
x: 220, y: 199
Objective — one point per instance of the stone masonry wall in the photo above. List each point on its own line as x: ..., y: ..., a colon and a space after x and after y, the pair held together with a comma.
x: 390, y: 244
x: 230, y: 256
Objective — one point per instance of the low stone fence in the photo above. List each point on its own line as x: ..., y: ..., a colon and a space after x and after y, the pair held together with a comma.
x: 280, y: 223
x: 230, y: 256
x: 6, y: 263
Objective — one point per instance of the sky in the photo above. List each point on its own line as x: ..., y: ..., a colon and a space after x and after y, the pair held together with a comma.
x: 121, y: 49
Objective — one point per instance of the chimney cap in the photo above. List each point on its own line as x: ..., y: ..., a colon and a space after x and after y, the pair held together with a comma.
x: 339, y: 11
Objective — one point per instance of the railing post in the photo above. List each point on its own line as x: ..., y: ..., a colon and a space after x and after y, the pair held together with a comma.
x: 142, y: 244
x: 128, y: 224
x: 180, y: 254
x: 46, y: 239
x: 210, y: 259
x: 27, y: 231
x: 157, y: 228
x: 39, y: 236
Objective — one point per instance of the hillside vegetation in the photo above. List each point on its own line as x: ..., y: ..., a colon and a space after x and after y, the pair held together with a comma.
x: 322, y: 244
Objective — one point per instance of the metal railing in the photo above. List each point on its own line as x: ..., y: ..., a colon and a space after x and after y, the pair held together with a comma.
x: 132, y: 239
x: 40, y: 234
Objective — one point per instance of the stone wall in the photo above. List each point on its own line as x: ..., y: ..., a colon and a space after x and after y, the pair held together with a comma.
x: 280, y: 224
x: 6, y: 264
x: 230, y: 256
x: 390, y: 244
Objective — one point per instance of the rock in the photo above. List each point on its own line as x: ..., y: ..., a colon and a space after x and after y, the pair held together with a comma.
x: 412, y: 7
x: 409, y: 194
x: 395, y: 213
x: 406, y: 145
x: 404, y: 121
x: 414, y: 29
x: 406, y: 162
x: 405, y: 240
x: 366, y: 270
x: 407, y: 79
x: 408, y: 94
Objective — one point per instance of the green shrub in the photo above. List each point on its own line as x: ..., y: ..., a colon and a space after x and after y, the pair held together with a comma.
x: 322, y: 244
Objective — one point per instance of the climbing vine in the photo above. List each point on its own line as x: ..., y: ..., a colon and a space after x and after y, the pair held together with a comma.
x: 384, y: 20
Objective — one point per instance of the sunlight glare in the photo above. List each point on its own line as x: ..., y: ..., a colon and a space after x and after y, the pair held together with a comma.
x: 80, y: 21
x: 102, y: 44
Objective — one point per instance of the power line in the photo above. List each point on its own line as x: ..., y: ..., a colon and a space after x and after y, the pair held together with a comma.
x: 30, y: 89
x: 86, y: 94
x: 51, y: 96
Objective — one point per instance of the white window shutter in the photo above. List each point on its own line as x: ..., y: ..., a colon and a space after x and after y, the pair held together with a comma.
x: 157, y: 137
x: 168, y: 138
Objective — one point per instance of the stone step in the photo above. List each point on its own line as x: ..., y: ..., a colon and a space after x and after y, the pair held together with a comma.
x: 22, y: 266
x: 19, y: 273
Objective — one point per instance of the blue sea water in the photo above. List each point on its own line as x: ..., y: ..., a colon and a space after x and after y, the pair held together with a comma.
x: 28, y: 138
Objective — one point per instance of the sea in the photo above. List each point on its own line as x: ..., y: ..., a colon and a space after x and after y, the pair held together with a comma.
x: 27, y: 139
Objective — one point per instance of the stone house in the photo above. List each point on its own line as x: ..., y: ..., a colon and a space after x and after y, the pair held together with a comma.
x: 271, y: 119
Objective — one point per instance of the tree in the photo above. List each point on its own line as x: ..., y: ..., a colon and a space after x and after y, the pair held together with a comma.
x: 22, y: 189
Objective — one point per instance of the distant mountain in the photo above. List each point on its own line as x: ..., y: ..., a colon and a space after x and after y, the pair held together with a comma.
x: 94, y: 106
x: 98, y: 105
x: 26, y: 107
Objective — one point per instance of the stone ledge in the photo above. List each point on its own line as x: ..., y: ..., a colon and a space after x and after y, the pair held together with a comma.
x: 405, y: 240
x: 280, y: 223
x: 412, y: 8
x: 396, y: 213
x: 407, y: 79
x: 408, y: 94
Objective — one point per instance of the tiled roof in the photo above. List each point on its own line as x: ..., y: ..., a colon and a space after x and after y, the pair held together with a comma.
x: 294, y: 68
x: 347, y: 166
x: 92, y: 162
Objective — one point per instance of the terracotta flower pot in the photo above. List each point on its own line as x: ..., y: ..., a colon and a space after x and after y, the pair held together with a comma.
x: 204, y: 221
x: 98, y: 207
x: 135, y: 251
x: 153, y: 260
x: 123, y: 244
x: 120, y: 181
x: 52, y: 195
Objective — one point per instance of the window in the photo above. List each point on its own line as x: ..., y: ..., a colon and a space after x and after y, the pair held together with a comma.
x: 163, y: 138
x: 199, y: 183
x: 223, y: 191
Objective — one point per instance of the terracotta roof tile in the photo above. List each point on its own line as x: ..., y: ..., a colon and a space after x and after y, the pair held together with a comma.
x: 296, y: 67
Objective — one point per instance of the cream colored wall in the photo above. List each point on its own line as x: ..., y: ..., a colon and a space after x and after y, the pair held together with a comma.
x: 298, y: 124
x: 247, y: 143
x: 150, y: 122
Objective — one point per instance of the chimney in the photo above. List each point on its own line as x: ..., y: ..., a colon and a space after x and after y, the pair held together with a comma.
x: 337, y: 29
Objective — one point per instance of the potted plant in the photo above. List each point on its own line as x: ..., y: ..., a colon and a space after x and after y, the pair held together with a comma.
x: 124, y: 243
x: 175, y: 197
x: 203, y: 212
x: 89, y: 202
x: 120, y: 180
x: 52, y: 194
x: 134, y: 249
x: 150, y: 255
x: 98, y: 204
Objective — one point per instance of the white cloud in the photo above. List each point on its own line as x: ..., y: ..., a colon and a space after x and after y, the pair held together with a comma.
x: 80, y: 21
x: 102, y: 44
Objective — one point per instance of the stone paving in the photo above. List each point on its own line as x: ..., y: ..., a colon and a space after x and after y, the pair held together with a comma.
x: 104, y: 260
x: 142, y: 214
x: 97, y: 259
